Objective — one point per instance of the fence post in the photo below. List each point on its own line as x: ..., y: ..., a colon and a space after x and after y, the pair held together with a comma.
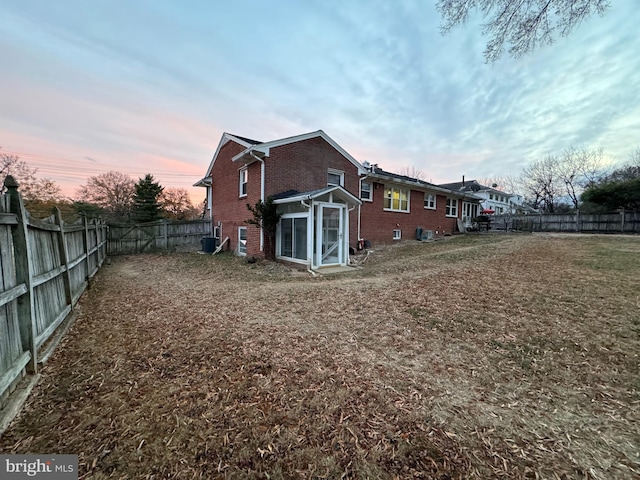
x: 100, y: 240
x: 26, y: 311
x: 64, y: 256
x: 622, y: 214
x: 85, y: 223
x: 165, y: 232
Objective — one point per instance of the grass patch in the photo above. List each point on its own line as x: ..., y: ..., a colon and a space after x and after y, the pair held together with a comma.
x: 475, y: 357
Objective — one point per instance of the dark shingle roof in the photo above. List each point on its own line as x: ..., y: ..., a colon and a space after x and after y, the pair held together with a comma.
x: 245, y: 139
x: 468, y: 186
x: 287, y: 194
x: 379, y: 171
x: 471, y: 186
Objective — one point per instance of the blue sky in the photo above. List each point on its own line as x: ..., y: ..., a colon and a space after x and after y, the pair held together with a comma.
x: 150, y: 86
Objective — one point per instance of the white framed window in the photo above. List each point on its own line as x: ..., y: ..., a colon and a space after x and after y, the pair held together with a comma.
x: 292, y: 237
x: 397, y: 234
x: 242, y: 241
x: 452, y: 207
x: 396, y: 199
x: 366, y: 191
x: 430, y: 201
x: 335, y: 178
x: 244, y: 178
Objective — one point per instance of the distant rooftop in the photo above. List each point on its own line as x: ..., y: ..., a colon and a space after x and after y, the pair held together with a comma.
x: 471, y: 186
x: 466, y: 186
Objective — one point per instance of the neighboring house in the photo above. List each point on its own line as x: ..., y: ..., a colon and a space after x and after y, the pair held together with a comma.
x: 328, y: 200
x: 493, y: 201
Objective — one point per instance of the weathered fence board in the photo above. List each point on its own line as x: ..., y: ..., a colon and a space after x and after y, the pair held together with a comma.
x: 44, y: 268
x: 161, y: 235
x: 622, y: 222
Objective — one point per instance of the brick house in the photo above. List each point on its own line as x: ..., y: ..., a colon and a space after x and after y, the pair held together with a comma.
x: 329, y: 201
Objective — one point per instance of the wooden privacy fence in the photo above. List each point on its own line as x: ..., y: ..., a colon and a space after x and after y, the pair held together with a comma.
x: 45, y: 266
x: 160, y: 235
x: 622, y: 222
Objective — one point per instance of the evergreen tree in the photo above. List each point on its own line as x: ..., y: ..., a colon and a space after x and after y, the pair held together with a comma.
x: 619, y: 189
x: 146, y: 207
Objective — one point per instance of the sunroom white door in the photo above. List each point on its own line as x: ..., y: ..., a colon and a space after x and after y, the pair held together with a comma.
x: 330, y: 247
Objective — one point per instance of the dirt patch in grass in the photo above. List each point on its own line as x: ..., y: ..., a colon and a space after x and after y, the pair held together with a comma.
x: 478, y: 357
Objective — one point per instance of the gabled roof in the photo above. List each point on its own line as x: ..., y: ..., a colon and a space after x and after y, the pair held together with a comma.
x: 262, y: 149
x: 291, y: 196
x: 226, y: 138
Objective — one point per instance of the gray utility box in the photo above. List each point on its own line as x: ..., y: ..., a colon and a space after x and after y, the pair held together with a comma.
x: 209, y: 244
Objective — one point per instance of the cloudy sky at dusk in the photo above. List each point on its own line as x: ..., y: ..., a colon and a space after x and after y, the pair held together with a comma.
x: 150, y: 86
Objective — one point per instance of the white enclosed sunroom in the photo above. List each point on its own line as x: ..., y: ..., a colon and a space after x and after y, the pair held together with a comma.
x: 314, y: 227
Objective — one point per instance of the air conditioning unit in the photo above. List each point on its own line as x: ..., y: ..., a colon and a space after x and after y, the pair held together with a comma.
x: 427, y: 235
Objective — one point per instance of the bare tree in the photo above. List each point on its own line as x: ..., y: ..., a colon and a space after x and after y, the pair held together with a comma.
x: 412, y: 171
x: 32, y: 188
x: 628, y: 171
x: 542, y: 184
x: 521, y: 25
x: 564, y: 176
x: 176, y: 204
x: 634, y: 158
x: 113, y: 191
x: 579, y: 168
x: 511, y: 184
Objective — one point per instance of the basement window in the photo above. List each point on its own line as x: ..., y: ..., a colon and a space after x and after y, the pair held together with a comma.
x: 242, y: 241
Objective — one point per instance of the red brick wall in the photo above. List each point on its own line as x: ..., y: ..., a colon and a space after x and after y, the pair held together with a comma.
x: 227, y: 206
x: 300, y: 166
x: 303, y: 166
x: 377, y: 225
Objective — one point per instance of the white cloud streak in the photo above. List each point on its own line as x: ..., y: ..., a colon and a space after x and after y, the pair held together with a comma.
x: 143, y: 81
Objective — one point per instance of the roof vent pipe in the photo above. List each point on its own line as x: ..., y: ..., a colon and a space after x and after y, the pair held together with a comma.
x: 463, y: 180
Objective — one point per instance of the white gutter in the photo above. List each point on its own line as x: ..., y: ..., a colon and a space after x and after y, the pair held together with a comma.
x: 364, y: 177
x: 261, y: 193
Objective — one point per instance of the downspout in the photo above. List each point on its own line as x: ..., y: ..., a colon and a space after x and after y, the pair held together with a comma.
x: 261, y: 194
x: 360, y: 206
x: 308, y: 206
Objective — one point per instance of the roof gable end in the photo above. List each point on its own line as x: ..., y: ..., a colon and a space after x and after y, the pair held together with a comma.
x: 264, y: 147
x: 226, y: 138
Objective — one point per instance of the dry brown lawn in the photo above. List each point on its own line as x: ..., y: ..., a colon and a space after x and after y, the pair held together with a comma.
x: 477, y: 357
